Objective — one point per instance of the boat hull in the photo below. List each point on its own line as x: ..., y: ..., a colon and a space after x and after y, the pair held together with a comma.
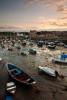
x: 51, y: 47
x: 59, y: 61
x: 48, y: 71
x: 22, y: 78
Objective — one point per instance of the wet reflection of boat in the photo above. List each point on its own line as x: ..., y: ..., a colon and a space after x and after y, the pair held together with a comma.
x: 10, y: 91
x: 49, y: 71
x: 19, y: 75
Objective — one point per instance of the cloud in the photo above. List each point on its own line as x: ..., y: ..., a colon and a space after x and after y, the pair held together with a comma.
x: 57, y: 24
x: 50, y: 2
x: 39, y: 23
x: 60, y: 8
x: 64, y: 18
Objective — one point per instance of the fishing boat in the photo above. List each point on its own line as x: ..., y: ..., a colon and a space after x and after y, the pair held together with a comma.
x: 10, y: 91
x: 47, y: 70
x: 19, y: 75
x: 60, y: 59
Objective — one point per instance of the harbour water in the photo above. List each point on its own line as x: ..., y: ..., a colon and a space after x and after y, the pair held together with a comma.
x: 46, y: 88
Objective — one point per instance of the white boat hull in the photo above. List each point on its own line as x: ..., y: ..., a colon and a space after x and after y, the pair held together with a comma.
x: 48, y: 71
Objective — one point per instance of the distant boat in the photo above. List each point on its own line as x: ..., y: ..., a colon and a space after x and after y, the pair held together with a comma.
x: 61, y: 59
x: 24, y: 43
x: 60, y: 44
x: 10, y: 48
x: 17, y: 46
x: 32, y: 51
x: 19, y: 75
x: 51, y: 46
x: 23, y: 53
x: 31, y: 43
x: 40, y: 43
x: 57, y: 60
x: 49, y: 71
x: 65, y: 45
x: 51, y: 43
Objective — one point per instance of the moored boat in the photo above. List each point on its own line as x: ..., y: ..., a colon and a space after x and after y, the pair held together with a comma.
x: 51, y: 46
x: 10, y: 48
x: 17, y: 46
x: 61, y: 59
x: 31, y: 43
x: 40, y: 43
x: 23, y: 53
x: 19, y: 75
x: 32, y: 51
x: 65, y: 45
x: 10, y: 91
x: 56, y: 60
x: 49, y: 71
x: 24, y: 43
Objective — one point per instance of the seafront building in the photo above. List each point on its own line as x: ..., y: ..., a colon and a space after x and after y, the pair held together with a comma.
x: 48, y: 35
x: 36, y: 35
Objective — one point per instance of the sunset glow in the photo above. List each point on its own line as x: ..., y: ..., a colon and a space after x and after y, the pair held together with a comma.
x: 33, y: 14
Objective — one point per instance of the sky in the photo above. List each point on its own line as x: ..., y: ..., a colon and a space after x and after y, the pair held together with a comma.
x: 33, y: 15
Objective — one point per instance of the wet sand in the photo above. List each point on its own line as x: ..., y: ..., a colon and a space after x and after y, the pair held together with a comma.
x: 46, y: 88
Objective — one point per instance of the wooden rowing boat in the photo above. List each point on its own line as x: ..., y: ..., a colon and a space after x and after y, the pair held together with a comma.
x: 19, y: 75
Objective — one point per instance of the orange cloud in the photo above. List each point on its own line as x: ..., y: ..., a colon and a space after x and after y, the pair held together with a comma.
x: 40, y: 24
